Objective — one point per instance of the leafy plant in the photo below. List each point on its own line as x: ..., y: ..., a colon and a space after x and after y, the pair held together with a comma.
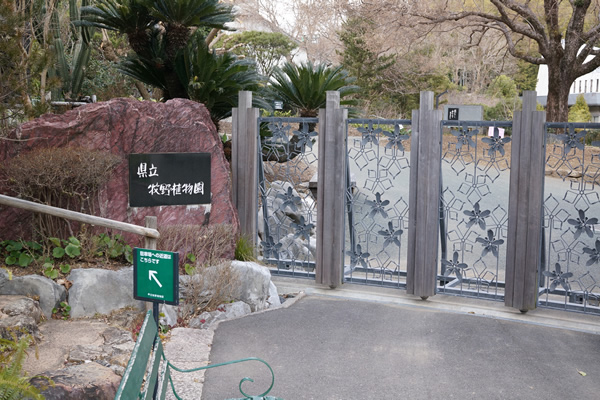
x: 70, y: 247
x: 65, y: 268
x: 21, y: 253
x: 13, y: 383
x: 190, y: 269
x: 49, y: 271
x: 304, y: 88
x: 63, y: 311
x: 112, y: 247
x: 215, y: 80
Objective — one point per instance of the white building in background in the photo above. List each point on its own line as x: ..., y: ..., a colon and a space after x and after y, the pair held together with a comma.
x: 588, y: 85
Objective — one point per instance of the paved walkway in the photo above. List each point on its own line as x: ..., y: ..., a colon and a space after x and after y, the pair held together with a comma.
x: 367, y: 343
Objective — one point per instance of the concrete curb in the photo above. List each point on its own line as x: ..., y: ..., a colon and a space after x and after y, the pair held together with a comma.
x: 453, y: 304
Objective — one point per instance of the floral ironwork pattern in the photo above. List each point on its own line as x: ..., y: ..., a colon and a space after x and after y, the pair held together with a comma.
x: 391, y: 235
x: 396, y: 138
x: 557, y: 277
x: 370, y: 135
x: 583, y: 224
x: 594, y: 254
x: 358, y: 257
x: 572, y: 139
x: 490, y: 244
x: 378, y: 206
x: 571, y: 210
x: 454, y: 267
x: 377, y: 201
x: 496, y: 143
x: 279, y: 132
x: 289, y: 199
x: 476, y: 216
x: 303, y: 230
x: 305, y: 137
x: 270, y: 248
x: 287, y: 208
x: 474, y: 211
x: 464, y: 136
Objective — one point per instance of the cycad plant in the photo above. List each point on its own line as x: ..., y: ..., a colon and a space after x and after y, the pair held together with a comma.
x: 304, y: 87
x: 215, y: 80
x: 169, y: 38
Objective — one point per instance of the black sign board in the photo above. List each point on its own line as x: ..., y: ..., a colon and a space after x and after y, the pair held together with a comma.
x: 453, y: 114
x: 169, y: 179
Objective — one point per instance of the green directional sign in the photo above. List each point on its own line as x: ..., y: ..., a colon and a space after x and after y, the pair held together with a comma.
x: 156, y: 276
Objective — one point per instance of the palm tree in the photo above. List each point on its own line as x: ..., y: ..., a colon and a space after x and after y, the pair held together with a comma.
x: 304, y: 88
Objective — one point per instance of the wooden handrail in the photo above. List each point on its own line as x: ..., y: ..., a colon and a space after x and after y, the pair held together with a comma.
x: 77, y: 216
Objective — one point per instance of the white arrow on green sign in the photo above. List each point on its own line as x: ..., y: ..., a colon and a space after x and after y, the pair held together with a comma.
x: 156, y: 276
x: 152, y: 275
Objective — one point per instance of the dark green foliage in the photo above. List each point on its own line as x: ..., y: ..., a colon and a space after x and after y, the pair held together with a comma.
x: 360, y: 61
x: 112, y: 246
x: 13, y: 79
x: 215, y: 80
x: 100, y: 76
x: 505, y: 90
x: 170, y: 53
x: 303, y: 88
x: 19, y: 252
x: 244, y: 249
x: 526, y: 76
x: 157, y: 31
x: 265, y: 48
x: 503, y: 87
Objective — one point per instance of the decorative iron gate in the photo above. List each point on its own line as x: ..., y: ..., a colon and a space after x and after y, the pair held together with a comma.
x: 377, y: 201
x: 474, y: 207
x: 287, y: 210
x: 477, y: 256
x: 570, y: 276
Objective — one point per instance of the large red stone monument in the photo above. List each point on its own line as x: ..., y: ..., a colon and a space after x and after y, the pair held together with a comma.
x: 124, y: 126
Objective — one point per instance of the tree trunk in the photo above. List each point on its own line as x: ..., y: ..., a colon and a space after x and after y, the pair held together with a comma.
x: 559, y: 86
x: 174, y: 87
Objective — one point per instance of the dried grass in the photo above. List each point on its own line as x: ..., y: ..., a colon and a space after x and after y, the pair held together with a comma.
x: 209, y: 287
x: 209, y: 244
x: 66, y: 177
x: 214, y: 280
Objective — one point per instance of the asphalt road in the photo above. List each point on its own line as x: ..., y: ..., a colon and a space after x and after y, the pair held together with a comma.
x: 334, y: 348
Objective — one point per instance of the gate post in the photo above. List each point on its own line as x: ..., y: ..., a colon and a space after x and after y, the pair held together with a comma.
x: 331, y: 192
x: 244, y: 165
x: 424, y: 198
x: 525, y: 208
